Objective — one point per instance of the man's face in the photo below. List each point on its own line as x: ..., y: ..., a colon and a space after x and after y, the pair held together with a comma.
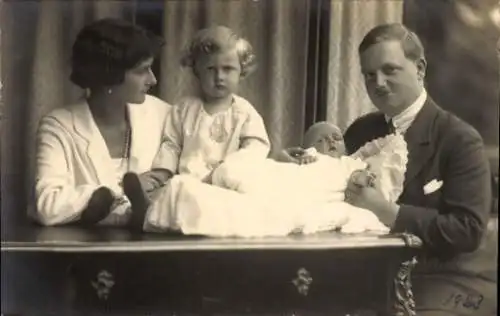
x: 392, y: 81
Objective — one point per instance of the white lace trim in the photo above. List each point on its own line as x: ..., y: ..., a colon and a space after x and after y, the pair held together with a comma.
x: 388, y: 158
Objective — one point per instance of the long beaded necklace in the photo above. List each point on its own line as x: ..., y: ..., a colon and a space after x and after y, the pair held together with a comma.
x: 127, y: 142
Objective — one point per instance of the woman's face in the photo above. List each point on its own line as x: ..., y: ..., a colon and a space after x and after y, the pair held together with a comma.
x: 219, y: 74
x: 137, y: 83
x: 331, y: 144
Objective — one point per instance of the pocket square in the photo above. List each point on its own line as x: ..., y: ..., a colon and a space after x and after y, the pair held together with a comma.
x: 432, y: 186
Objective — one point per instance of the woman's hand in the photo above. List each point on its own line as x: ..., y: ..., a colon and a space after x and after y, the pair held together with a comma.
x: 148, y: 183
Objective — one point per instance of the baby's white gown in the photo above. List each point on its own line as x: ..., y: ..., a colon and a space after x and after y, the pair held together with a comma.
x: 257, y: 198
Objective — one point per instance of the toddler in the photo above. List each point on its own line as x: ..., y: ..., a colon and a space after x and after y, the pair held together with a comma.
x: 217, y: 125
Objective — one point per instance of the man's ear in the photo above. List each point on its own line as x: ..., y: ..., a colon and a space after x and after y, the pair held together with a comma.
x: 421, y: 64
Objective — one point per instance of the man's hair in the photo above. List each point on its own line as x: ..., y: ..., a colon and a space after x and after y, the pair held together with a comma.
x: 105, y: 49
x: 411, y: 44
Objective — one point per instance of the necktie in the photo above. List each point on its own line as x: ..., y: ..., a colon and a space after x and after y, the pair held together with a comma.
x: 391, y: 129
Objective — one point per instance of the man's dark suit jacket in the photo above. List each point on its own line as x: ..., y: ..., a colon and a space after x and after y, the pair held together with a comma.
x: 452, y: 220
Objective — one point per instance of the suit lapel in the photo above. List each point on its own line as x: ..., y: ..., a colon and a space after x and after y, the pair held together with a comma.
x: 96, y: 150
x: 420, y: 140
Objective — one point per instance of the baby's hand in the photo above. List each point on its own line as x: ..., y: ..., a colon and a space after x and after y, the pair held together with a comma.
x: 301, y: 156
x: 290, y: 155
x: 308, y: 156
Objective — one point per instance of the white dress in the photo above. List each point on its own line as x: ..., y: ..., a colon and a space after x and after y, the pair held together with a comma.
x: 195, y: 142
x: 266, y: 198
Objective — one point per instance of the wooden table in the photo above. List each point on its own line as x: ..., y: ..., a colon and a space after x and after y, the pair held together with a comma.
x: 114, y: 270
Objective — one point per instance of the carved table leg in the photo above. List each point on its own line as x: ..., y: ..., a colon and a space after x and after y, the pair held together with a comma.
x: 404, y: 304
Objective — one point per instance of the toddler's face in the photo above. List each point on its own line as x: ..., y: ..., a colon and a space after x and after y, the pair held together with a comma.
x: 332, y: 145
x: 219, y: 74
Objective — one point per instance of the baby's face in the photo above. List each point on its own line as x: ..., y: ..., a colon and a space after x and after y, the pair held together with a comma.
x: 331, y: 144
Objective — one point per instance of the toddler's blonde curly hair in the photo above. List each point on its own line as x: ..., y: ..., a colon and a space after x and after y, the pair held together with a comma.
x: 216, y: 39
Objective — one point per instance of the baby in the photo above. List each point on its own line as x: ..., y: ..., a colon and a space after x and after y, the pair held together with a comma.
x: 205, y: 130
x: 327, y: 139
x: 321, y: 167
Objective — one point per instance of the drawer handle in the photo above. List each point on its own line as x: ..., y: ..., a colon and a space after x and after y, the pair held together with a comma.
x: 103, y: 284
x: 303, y: 281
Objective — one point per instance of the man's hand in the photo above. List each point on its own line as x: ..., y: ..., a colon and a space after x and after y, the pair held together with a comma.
x: 371, y: 198
x: 362, y: 178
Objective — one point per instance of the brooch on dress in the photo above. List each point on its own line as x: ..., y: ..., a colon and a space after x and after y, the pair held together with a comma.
x: 217, y: 131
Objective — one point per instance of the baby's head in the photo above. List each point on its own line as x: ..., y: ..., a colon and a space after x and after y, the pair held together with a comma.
x: 219, y: 58
x: 326, y: 138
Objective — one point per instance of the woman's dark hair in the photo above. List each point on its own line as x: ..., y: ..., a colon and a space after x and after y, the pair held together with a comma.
x: 105, y: 49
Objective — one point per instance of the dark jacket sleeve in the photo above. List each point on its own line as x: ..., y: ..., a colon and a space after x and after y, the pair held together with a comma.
x: 350, y: 139
x: 355, y: 137
x: 459, y: 223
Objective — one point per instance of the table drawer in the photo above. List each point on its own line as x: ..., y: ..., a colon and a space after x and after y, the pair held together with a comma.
x: 236, y: 282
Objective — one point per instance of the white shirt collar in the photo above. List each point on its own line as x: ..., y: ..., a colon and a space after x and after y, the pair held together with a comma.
x: 403, y: 120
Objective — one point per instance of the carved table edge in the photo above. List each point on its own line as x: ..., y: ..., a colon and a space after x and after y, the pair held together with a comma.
x: 410, y: 240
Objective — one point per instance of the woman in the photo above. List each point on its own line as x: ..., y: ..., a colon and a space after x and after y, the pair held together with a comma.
x: 84, y: 149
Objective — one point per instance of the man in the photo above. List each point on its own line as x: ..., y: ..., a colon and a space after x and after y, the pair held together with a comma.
x: 447, y: 194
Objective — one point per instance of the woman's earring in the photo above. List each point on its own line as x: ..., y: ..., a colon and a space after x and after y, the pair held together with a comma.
x: 110, y: 91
